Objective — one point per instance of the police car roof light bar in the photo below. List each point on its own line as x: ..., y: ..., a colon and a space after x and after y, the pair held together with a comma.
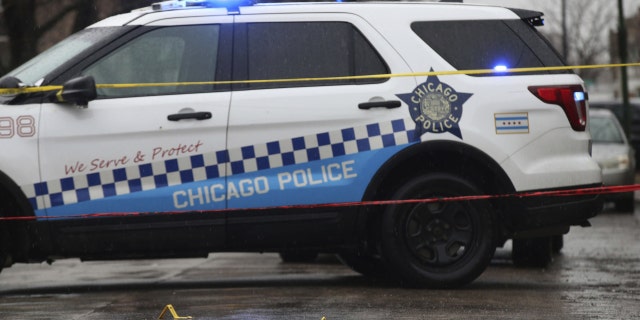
x: 168, y: 5
x: 230, y: 5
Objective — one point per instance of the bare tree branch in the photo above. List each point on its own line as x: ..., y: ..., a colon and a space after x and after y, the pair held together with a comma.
x: 588, y: 23
x: 55, y: 19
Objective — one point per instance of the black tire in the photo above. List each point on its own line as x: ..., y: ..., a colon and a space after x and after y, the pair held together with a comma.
x: 557, y: 243
x: 3, y: 261
x: 439, y: 244
x: 534, y: 252
x: 4, y: 241
x: 366, y: 265
x: 626, y: 205
x: 298, y: 256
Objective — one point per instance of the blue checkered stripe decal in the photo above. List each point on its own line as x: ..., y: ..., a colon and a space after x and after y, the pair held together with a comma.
x: 218, y: 164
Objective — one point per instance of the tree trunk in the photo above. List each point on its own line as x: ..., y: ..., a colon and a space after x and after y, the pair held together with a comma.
x: 22, y: 30
x: 87, y: 14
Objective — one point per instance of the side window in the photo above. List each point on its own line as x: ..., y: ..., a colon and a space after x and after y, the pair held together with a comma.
x: 287, y: 50
x: 489, y: 43
x: 166, y: 55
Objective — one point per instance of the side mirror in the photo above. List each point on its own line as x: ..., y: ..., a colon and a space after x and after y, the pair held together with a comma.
x: 79, y: 91
x: 8, y: 82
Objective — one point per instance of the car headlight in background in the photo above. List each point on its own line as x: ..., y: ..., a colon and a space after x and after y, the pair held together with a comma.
x: 621, y: 162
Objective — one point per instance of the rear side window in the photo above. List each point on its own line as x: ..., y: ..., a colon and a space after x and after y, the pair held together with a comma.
x: 286, y: 50
x: 485, y: 44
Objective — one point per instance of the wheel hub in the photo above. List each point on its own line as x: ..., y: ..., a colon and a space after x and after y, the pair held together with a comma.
x: 438, y: 230
x: 438, y: 234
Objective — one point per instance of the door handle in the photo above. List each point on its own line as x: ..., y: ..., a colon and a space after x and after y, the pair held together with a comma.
x: 190, y: 115
x: 390, y: 104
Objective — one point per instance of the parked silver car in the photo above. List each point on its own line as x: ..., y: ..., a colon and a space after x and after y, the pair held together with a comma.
x: 614, y: 154
x: 618, y: 109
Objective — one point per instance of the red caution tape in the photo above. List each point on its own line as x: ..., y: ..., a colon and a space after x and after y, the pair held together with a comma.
x: 555, y: 193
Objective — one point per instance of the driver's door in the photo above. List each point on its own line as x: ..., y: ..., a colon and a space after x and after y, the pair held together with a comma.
x: 112, y: 172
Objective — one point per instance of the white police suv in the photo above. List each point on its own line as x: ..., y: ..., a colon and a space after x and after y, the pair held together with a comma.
x: 189, y: 127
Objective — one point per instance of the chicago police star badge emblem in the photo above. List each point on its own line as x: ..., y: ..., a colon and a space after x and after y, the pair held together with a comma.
x: 435, y: 107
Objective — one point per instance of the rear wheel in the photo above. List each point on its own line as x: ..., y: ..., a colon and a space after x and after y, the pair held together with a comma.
x: 557, y: 243
x: 438, y: 244
x: 534, y: 252
x: 298, y: 256
x: 3, y: 261
x: 626, y: 204
x: 364, y: 264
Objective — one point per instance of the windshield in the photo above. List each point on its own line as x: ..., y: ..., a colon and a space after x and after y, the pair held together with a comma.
x: 34, y: 71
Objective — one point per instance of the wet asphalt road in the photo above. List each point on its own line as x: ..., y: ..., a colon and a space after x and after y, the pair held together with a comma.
x: 597, y: 276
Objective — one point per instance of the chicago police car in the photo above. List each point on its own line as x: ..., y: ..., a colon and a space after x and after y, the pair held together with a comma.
x: 188, y: 128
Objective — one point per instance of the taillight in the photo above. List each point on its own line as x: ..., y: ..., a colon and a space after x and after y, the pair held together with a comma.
x: 572, y: 99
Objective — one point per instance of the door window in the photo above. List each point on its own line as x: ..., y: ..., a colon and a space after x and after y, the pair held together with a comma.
x: 170, y: 55
x: 290, y: 50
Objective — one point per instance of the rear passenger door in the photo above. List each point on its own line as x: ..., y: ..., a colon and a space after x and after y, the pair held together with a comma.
x: 310, y: 142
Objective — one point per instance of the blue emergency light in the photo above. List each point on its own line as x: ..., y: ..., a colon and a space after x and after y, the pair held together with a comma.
x: 500, y: 68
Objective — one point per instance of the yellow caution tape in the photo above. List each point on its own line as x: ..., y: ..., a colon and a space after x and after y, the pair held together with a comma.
x: 14, y: 91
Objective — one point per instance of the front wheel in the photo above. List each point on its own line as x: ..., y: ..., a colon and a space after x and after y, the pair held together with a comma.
x: 438, y: 244
x: 3, y: 246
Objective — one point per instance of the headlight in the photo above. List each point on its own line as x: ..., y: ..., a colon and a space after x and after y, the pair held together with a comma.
x: 620, y: 162
x: 623, y: 161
